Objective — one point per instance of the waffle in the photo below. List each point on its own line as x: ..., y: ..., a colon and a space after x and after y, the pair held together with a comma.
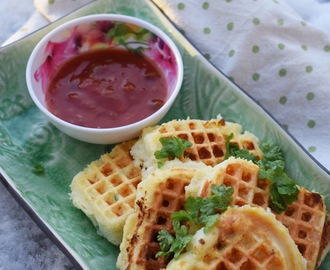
x: 105, y: 191
x: 158, y: 196
x: 241, y: 175
x: 244, y: 238
x: 208, y: 140
x: 325, y: 241
x: 305, y: 220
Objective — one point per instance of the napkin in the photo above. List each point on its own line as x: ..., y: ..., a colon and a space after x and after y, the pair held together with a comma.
x: 265, y: 47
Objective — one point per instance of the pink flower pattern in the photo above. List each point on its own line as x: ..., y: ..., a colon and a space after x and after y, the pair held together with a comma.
x: 163, y: 56
x: 100, y: 35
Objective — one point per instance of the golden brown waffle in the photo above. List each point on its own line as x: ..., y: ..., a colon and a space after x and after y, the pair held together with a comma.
x: 245, y: 238
x: 158, y: 196
x: 325, y: 241
x: 242, y: 176
x: 105, y: 191
x: 305, y: 218
x: 305, y: 221
x: 207, y: 137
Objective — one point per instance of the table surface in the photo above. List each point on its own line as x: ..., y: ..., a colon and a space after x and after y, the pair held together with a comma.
x: 22, y: 243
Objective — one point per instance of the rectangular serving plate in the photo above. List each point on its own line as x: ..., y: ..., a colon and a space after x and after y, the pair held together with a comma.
x: 28, y: 140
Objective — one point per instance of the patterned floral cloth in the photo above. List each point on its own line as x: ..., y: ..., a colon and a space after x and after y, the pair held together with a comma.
x: 265, y: 47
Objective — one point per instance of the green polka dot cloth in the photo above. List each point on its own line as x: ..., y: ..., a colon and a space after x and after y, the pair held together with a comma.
x: 282, y: 61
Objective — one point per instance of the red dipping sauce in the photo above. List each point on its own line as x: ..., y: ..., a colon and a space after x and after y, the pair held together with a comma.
x: 106, y: 88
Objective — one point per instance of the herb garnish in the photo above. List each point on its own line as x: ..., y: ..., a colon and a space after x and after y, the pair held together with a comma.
x: 233, y: 150
x: 284, y: 190
x: 38, y: 169
x: 200, y: 211
x: 170, y: 244
x: 172, y: 147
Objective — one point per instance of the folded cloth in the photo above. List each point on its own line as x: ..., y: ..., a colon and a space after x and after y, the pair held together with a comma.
x: 55, y: 9
x: 46, y: 11
x: 315, y: 12
x: 36, y: 21
x: 268, y: 50
x: 282, y: 61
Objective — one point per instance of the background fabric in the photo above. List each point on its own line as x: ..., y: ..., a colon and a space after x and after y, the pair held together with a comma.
x: 272, y: 53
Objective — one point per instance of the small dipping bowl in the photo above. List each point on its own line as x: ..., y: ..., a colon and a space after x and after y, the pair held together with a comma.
x: 93, y: 32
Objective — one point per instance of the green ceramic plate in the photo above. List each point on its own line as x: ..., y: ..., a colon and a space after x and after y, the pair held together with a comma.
x: 28, y: 140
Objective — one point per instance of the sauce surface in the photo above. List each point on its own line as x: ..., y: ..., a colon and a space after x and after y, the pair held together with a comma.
x: 106, y: 88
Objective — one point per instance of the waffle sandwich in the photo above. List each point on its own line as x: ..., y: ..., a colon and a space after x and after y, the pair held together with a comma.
x: 243, y: 238
x: 129, y: 199
x: 241, y: 175
x: 105, y: 191
x: 325, y: 241
x: 305, y: 218
x: 208, y: 140
x: 159, y: 195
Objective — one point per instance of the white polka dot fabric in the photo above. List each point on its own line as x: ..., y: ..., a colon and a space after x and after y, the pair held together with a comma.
x: 268, y: 50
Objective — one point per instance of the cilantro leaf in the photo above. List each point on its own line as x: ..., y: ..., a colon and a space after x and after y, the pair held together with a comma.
x: 271, y: 152
x: 209, y: 221
x: 229, y: 147
x: 273, y: 158
x: 202, y: 211
x: 171, y: 148
x: 284, y: 190
x: 211, y: 205
x: 192, y: 206
x: 224, y: 193
x: 233, y: 150
x: 165, y: 239
x: 38, y: 169
x: 170, y: 244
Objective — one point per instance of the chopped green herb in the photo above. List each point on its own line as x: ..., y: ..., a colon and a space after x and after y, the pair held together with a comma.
x: 232, y: 149
x: 229, y: 145
x: 160, y: 164
x: 171, y: 148
x: 202, y: 211
x: 38, y: 169
x: 284, y: 190
x: 170, y: 244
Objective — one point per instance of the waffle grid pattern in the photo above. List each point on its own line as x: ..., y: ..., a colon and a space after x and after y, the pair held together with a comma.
x: 248, y: 189
x: 115, y: 184
x: 245, y: 238
x: 106, y: 190
x: 168, y: 197
x: 242, y: 176
x: 305, y: 220
x: 250, y: 253
x: 206, y: 137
